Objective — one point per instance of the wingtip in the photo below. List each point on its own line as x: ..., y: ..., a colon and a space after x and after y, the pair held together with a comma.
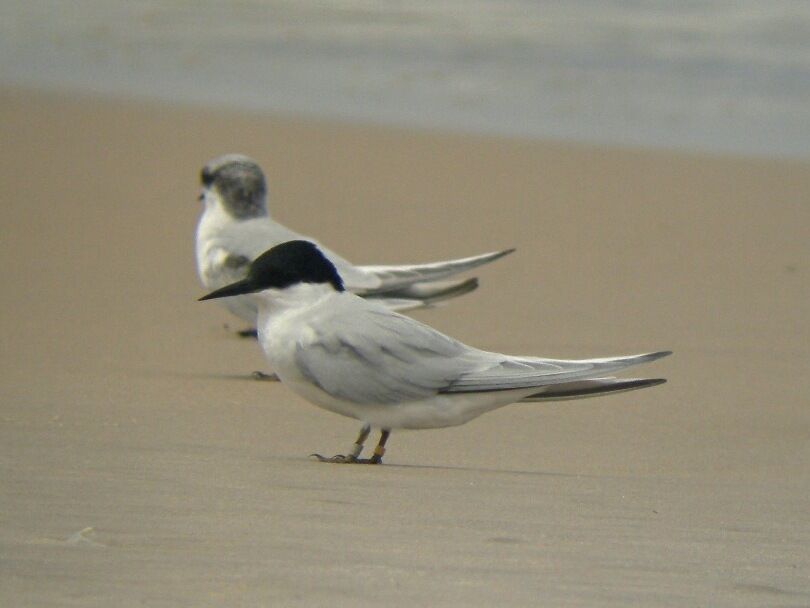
x: 496, y: 255
x: 471, y: 283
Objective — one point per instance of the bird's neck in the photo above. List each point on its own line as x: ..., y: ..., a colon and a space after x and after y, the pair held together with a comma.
x: 295, y: 297
x: 216, y: 213
x: 281, y: 312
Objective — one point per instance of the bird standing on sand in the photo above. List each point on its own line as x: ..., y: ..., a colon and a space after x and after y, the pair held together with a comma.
x: 358, y: 358
x: 235, y: 228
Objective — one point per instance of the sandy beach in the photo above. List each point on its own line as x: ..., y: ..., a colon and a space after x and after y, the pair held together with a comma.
x: 142, y: 466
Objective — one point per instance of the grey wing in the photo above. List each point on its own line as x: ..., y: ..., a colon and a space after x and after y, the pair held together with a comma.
x: 253, y: 237
x: 505, y: 373
x: 377, y: 356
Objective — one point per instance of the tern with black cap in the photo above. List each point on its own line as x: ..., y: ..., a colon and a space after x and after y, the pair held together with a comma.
x: 357, y: 358
x: 235, y: 227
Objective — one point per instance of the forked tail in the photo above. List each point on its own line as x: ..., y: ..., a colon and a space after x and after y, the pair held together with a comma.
x: 593, y: 387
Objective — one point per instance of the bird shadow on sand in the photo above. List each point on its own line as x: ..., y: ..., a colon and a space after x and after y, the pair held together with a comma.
x: 291, y: 459
x: 488, y: 470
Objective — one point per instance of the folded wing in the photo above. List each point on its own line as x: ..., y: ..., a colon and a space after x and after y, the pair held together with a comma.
x: 506, y: 373
x: 371, y: 355
x: 413, y: 282
x: 393, y: 278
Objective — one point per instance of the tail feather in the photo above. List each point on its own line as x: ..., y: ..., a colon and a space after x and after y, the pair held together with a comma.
x: 594, y: 387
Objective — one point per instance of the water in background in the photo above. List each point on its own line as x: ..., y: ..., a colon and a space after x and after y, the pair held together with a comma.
x: 716, y: 75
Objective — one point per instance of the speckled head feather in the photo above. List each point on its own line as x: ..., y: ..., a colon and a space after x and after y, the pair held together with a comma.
x: 240, y: 183
x: 282, y: 266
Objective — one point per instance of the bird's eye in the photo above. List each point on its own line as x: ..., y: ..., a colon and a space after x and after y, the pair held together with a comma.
x: 206, y: 177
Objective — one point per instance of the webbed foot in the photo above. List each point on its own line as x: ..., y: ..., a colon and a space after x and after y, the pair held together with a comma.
x: 338, y: 458
x: 341, y: 459
x: 353, y: 456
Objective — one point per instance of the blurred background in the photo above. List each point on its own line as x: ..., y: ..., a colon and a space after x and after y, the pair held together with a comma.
x: 140, y: 465
x: 717, y: 75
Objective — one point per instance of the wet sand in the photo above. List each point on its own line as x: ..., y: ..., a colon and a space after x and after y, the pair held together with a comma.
x: 142, y: 467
